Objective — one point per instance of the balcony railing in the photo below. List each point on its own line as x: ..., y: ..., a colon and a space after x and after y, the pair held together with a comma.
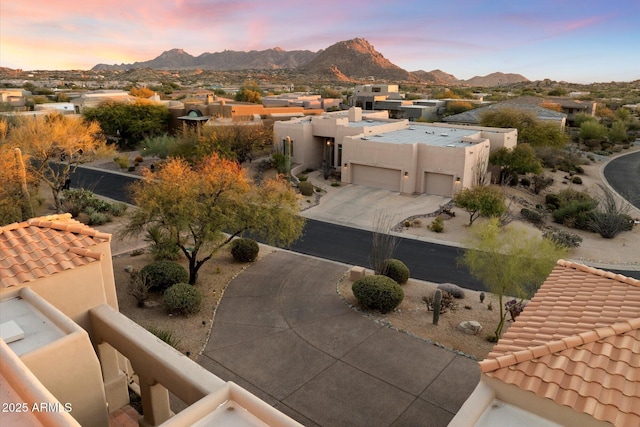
x: 160, y: 369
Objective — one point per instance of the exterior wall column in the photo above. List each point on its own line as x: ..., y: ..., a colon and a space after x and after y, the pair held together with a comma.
x: 115, y: 381
x: 155, y: 403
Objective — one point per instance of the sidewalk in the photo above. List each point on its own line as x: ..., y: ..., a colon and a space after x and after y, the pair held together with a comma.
x: 282, y: 332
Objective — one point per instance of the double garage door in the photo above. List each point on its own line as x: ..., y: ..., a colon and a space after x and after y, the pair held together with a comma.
x: 372, y: 176
x: 438, y: 184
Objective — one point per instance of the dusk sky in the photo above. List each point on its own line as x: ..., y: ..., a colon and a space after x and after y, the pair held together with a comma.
x: 577, y: 41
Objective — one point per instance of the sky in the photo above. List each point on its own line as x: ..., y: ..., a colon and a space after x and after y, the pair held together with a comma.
x: 576, y: 41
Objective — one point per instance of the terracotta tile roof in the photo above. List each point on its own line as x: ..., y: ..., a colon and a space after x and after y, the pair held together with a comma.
x: 43, y: 246
x: 577, y: 343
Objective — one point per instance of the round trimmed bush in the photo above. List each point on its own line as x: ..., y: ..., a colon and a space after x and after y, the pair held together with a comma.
x: 244, y: 250
x: 163, y: 274
x: 182, y: 298
x: 396, y: 270
x: 378, y: 293
x: 306, y: 188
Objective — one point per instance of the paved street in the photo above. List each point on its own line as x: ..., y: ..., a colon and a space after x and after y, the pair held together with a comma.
x: 623, y: 174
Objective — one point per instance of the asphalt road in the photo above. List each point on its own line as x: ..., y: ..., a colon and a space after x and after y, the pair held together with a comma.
x: 427, y: 261
x: 623, y: 174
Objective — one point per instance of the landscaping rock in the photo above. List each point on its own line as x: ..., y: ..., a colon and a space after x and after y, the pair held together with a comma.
x: 128, y: 268
x: 151, y: 304
x: 471, y: 327
x: 455, y: 290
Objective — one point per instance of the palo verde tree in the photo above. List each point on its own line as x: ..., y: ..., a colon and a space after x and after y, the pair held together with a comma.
x: 521, y: 159
x: 530, y: 129
x: 478, y: 201
x: 509, y: 262
x: 131, y: 123
x: 56, y: 145
x: 234, y: 141
x: 195, y: 206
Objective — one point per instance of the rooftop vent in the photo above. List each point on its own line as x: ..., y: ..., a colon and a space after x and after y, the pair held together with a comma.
x: 444, y: 134
x: 412, y: 128
x: 364, y: 138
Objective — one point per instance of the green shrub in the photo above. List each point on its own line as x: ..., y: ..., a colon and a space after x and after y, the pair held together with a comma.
x: 165, y: 335
x: 163, y: 274
x: 303, y: 177
x: 118, y: 209
x: 396, y: 270
x: 609, y: 224
x: 563, y: 238
x: 575, y: 214
x: 437, y: 225
x: 576, y: 180
x: 163, y: 248
x: 525, y: 182
x: 97, y: 218
x: 335, y: 184
x: 182, y: 298
x: 306, y: 188
x: 602, y: 153
x: 122, y: 161
x: 378, y: 293
x: 532, y: 216
x: 552, y: 200
x: 244, y: 250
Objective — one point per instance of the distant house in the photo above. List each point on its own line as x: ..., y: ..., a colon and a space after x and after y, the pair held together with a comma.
x: 528, y: 104
x: 572, y: 358
x: 372, y: 150
x: 14, y: 97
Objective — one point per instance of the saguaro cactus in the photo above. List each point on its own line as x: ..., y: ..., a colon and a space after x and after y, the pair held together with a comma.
x: 437, y: 300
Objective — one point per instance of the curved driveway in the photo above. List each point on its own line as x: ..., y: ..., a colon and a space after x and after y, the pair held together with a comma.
x: 282, y: 332
x: 623, y: 174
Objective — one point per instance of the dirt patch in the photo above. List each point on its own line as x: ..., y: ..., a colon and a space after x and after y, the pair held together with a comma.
x: 193, y: 331
x: 412, y: 317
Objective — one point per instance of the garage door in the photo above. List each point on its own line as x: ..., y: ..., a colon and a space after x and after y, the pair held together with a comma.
x: 438, y: 184
x: 371, y: 176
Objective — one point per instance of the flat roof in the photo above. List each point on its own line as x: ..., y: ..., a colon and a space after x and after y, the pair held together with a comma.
x: 38, y: 330
x: 429, y: 135
x: 367, y: 123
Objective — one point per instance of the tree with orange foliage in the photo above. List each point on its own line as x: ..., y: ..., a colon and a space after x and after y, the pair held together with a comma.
x: 56, y: 145
x: 195, y: 206
x: 141, y: 92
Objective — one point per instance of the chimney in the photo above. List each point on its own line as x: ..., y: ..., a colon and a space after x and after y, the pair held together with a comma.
x: 355, y: 114
x: 209, y: 99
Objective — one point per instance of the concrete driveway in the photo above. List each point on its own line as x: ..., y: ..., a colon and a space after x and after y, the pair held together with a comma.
x: 357, y: 206
x: 282, y: 332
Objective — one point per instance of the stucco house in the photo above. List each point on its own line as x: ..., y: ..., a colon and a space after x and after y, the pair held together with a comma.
x: 68, y: 357
x: 572, y: 358
x: 372, y: 150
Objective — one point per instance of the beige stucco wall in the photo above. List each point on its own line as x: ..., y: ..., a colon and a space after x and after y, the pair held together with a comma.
x: 68, y: 366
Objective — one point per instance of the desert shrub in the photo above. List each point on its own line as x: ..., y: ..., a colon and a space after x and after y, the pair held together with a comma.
x: 182, y: 298
x: 97, y: 218
x: 525, y: 182
x: 574, y: 214
x: 165, y: 335
x: 590, y: 157
x: 303, y: 177
x: 335, y: 184
x: 163, y: 274
x: 122, y: 161
x: 163, y: 248
x: 139, y: 287
x: 552, y: 200
x: 118, y: 209
x: 540, y: 182
x: 455, y: 290
x: 306, y: 188
x: 579, y: 169
x: 602, y: 153
x: 609, y: 224
x: 244, y: 250
x: 139, y: 159
x: 76, y: 200
x: 396, y: 270
x: 563, y: 238
x: 532, y: 216
x: 378, y: 292
x: 446, y: 303
x: 437, y: 225
x: 576, y: 180
x: 626, y: 146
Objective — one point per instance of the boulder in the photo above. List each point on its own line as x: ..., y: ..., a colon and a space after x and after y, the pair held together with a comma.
x: 471, y: 327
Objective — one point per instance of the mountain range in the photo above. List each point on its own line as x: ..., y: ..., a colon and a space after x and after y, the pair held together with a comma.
x: 347, y: 61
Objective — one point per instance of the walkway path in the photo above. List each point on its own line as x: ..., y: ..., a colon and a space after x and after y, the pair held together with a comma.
x: 282, y: 332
